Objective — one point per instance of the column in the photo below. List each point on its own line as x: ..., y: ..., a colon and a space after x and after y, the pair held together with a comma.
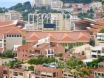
x: 37, y: 21
x: 65, y: 22
x: 42, y: 22
x: 70, y: 21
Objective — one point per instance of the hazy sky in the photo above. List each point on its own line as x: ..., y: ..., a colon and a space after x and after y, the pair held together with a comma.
x: 8, y: 3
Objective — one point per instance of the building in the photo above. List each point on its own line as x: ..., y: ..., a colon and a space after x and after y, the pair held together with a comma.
x: 97, y: 51
x: 5, y: 61
x: 100, y: 36
x: 50, y: 21
x: 43, y: 46
x: 15, y: 73
x: 40, y: 3
x: 11, y: 15
x: 74, y: 38
x: 43, y: 71
x: 99, y: 71
x: 11, y: 30
x: 56, y: 5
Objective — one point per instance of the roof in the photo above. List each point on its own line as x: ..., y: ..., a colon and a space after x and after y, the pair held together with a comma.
x: 99, y: 70
x: 14, y: 31
x: 47, y: 69
x: 41, y: 46
x: 73, y: 36
x: 91, y: 76
x: 101, y: 63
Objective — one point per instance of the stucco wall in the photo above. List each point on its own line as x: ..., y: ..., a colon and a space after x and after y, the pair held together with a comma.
x: 11, y: 41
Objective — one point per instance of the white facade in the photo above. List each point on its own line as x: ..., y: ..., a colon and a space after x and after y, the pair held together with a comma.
x: 97, y: 51
x: 41, y: 41
x: 96, y: 5
x: 49, y: 53
x: 56, y: 5
x: 2, y: 41
x: 15, y: 47
x: 100, y: 36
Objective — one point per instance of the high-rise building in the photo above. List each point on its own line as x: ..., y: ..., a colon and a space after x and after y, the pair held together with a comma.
x: 39, y: 3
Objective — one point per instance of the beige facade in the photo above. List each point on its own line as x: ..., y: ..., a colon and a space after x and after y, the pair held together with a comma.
x: 15, y: 73
x: 13, y: 39
x: 13, y: 15
x: 5, y: 61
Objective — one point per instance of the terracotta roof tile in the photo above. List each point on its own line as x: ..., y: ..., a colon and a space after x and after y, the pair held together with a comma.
x: 14, y: 31
x: 58, y: 36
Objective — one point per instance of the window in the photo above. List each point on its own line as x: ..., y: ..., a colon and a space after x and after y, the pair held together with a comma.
x: 17, y: 35
x: 9, y: 35
x: 15, y: 74
x: 5, y: 72
x: 12, y: 35
x: 21, y: 74
x: 54, y: 74
x: 20, y: 35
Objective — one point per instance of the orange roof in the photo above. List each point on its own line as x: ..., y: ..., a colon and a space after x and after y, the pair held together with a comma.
x: 41, y: 46
x: 6, y: 23
x: 47, y: 69
x: 59, y: 36
x: 99, y: 70
x: 14, y: 31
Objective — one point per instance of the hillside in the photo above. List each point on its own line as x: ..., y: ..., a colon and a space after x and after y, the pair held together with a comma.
x: 80, y: 1
x: 24, y: 8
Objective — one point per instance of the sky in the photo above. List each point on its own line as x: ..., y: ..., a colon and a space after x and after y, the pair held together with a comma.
x: 9, y: 3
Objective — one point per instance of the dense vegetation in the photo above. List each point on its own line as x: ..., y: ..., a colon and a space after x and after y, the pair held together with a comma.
x: 75, y: 67
x: 3, y: 10
x: 41, y: 61
x: 80, y: 1
x: 94, y: 63
x: 24, y: 8
x: 7, y: 54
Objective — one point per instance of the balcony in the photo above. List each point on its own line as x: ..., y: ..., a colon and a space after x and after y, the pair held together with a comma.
x: 15, y: 74
x: 93, y: 53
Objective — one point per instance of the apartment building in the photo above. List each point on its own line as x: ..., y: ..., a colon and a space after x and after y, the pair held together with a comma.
x: 100, y: 36
x: 11, y: 15
x: 50, y: 21
x: 74, y: 38
x: 15, y: 73
x: 40, y: 3
x: 99, y: 71
x: 46, y: 72
x: 5, y: 61
x: 97, y: 51
x: 43, y: 46
x: 11, y: 34
x: 56, y: 5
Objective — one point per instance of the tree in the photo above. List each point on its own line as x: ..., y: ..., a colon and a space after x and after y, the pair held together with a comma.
x: 92, y: 42
x: 31, y: 68
x: 24, y: 42
x: 77, y: 68
x: 7, y: 54
x: 15, y: 63
x: 40, y: 56
x: 102, y: 30
x: 1, y: 11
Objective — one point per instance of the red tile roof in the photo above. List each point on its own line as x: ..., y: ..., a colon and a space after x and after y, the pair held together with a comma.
x: 74, y: 36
